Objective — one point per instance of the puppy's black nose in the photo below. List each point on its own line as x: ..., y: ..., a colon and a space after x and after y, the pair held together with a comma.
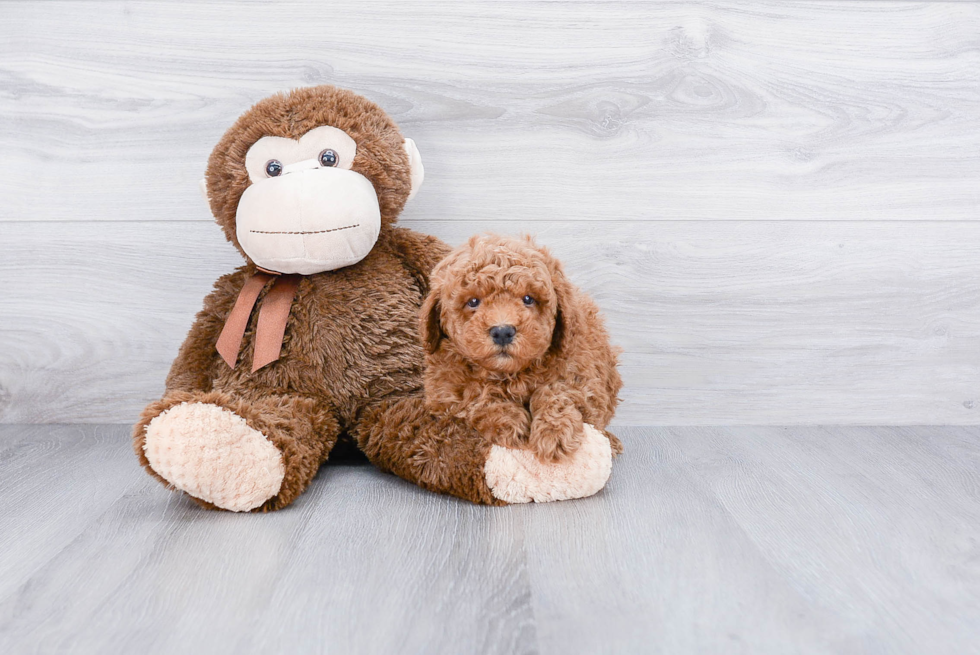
x: 502, y: 334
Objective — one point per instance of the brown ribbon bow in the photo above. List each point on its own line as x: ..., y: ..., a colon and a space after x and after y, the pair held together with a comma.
x: 271, y: 324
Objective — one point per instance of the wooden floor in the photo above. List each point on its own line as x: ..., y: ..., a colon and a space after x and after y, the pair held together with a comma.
x: 709, y: 540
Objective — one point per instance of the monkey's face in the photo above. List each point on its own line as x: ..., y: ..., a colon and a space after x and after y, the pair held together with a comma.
x: 305, y: 210
x: 305, y: 181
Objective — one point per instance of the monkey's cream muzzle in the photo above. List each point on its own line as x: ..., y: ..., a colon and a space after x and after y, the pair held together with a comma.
x: 309, y: 219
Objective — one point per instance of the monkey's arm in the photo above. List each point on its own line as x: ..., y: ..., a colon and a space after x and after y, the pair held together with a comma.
x: 437, y: 452
x: 194, y: 367
x: 444, y: 454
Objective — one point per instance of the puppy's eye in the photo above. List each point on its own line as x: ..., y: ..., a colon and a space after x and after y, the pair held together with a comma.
x: 528, y: 300
x: 329, y: 158
x: 473, y: 303
x: 273, y: 168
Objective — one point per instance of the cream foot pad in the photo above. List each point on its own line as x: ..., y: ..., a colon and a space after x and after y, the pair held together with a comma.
x: 517, y: 476
x: 212, y: 454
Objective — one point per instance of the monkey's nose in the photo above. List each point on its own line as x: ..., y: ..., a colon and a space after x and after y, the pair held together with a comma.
x: 502, y: 334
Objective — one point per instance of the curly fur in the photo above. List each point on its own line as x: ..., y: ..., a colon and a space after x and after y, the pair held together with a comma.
x: 535, y: 392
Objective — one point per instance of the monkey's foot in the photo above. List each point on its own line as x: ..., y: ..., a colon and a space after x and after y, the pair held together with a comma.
x: 517, y: 476
x: 212, y: 454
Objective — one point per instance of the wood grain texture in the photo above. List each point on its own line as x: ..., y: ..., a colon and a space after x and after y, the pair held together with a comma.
x: 723, y: 322
x: 522, y: 111
x: 924, y: 530
x: 721, y: 540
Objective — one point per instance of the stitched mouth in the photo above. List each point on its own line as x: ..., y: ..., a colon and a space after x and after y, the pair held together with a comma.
x: 336, y: 229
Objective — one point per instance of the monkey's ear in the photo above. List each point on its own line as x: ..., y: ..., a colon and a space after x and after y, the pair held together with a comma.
x: 203, y: 185
x: 415, y: 161
x: 430, y: 329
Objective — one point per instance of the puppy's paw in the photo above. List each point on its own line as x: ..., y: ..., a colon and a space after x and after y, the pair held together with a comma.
x: 506, y: 424
x: 554, y: 439
x: 517, y: 476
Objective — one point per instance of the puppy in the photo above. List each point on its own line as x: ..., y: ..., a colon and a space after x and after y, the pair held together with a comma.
x: 516, y: 350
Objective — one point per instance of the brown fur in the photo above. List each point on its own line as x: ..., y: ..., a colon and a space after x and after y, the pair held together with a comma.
x: 535, y: 392
x: 351, y: 362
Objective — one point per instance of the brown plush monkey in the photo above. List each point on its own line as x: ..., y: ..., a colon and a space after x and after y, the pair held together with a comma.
x: 315, y: 340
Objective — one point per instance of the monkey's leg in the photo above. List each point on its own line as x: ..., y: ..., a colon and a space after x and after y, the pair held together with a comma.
x: 398, y: 434
x: 234, y: 453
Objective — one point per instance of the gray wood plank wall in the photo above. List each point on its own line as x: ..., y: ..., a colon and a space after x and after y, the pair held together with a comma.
x: 775, y: 203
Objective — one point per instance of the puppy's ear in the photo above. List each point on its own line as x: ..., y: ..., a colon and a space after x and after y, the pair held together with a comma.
x: 430, y: 329
x: 558, y: 334
x: 566, y: 314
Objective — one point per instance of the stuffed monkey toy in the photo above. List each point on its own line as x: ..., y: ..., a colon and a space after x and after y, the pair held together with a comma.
x: 314, y: 340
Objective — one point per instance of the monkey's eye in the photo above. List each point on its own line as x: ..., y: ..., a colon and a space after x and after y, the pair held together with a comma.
x: 329, y: 158
x: 528, y: 300
x: 273, y: 168
x: 473, y: 303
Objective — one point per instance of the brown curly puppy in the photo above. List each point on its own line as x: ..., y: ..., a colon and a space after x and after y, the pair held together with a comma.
x: 515, y: 350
